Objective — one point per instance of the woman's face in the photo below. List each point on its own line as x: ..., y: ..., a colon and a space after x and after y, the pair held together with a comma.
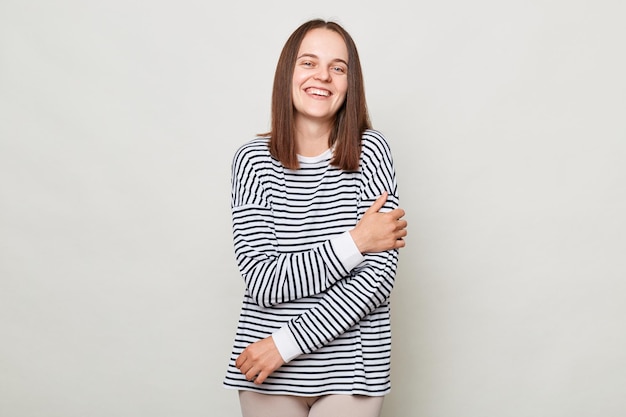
x: 320, y: 78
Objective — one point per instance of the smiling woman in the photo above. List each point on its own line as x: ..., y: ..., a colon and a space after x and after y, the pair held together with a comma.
x: 316, y: 230
x: 320, y: 84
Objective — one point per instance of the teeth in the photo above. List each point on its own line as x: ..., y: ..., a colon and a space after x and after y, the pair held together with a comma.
x: 319, y: 92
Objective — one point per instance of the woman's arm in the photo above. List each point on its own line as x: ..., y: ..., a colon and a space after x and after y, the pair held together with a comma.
x: 369, y: 284
x: 349, y: 300
x: 272, y: 277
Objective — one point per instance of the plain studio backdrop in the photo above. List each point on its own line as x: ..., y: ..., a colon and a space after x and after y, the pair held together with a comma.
x: 119, y: 292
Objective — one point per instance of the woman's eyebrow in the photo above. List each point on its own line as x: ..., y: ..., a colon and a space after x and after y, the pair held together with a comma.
x: 307, y: 55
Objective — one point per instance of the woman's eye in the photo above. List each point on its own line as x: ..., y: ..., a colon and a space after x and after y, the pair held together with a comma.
x: 339, y: 69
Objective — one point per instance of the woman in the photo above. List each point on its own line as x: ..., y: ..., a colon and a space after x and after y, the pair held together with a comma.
x: 316, y: 229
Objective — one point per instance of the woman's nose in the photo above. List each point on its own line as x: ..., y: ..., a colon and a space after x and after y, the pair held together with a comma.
x: 323, y: 74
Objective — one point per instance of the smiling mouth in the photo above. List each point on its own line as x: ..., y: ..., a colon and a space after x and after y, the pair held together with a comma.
x: 318, y: 92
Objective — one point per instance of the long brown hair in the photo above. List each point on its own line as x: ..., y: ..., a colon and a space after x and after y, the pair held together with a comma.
x: 351, y: 120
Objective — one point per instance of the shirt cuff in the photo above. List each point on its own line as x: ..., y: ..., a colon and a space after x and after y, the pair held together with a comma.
x: 286, y: 344
x: 347, y: 251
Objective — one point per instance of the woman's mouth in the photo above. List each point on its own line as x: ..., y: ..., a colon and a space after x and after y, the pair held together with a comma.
x: 317, y: 92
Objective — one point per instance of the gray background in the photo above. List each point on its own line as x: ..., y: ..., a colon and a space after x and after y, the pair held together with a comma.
x: 119, y: 293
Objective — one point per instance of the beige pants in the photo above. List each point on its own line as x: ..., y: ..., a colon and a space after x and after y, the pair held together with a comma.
x: 265, y: 405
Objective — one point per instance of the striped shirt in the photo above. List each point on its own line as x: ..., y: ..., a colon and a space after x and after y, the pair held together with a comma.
x: 325, y: 304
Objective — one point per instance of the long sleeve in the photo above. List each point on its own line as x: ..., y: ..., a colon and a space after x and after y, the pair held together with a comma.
x: 325, y: 304
x: 370, y: 284
x: 271, y: 276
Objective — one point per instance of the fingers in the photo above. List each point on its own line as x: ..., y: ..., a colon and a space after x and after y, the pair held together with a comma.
x: 380, y: 231
x: 260, y: 378
x: 245, y: 367
x: 259, y: 360
x: 395, y: 217
x: 241, y: 360
x: 397, y: 213
x: 253, y: 373
x: 241, y: 364
x: 401, y: 224
x: 378, y: 204
x: 400, y: 232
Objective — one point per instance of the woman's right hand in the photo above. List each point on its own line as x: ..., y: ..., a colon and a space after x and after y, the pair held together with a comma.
x: 378, y: 232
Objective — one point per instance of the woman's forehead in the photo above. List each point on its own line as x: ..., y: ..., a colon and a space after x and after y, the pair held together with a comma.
x: 324, y: 43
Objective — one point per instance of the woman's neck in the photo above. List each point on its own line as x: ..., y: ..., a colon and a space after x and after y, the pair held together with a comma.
x: 312, y: 139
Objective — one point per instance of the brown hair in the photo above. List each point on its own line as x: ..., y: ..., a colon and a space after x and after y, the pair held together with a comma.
x: 351, y: 120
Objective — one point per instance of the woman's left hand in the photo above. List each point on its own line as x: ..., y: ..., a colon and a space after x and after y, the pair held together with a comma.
x: 259, y: 360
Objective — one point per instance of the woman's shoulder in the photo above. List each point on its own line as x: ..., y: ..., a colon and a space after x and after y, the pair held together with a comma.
x: 374, y: 142
x: 253, y: 148
x: 256, y: 144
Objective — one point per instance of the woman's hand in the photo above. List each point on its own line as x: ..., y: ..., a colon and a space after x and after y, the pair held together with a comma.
x: 259, y: 360
x: 378, y: 232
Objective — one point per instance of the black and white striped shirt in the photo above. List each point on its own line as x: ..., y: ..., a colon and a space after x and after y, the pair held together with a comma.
x: 325, y: 304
